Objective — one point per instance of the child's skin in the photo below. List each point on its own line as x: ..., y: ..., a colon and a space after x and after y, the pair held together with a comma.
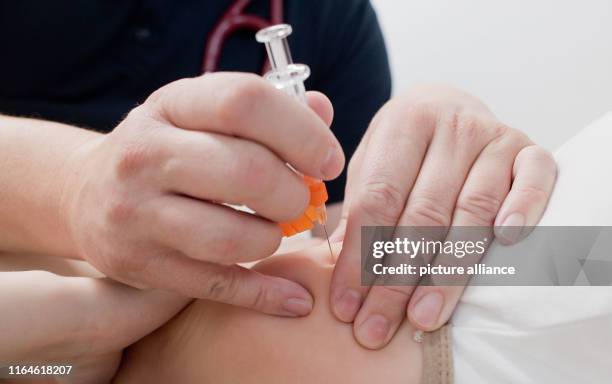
x: 65, y: 313
x: 216, y: 343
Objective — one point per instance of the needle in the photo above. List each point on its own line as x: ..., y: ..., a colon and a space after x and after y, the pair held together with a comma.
x: 331, y: 253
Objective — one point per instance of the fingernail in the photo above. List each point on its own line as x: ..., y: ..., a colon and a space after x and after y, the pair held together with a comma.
x: 427, y: 310
x: 373, y: 332
x: 298, y: 306
x: 511, y: 228
x: 347, y: 304
x: 330, y: 164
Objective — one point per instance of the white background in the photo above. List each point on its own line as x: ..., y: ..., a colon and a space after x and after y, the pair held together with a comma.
x: 542, y: 66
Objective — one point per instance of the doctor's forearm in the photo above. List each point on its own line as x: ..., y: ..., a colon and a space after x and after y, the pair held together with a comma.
x: 36, y: 160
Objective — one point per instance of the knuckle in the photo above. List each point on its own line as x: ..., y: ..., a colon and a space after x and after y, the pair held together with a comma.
x: 119, y: 209
x: 138, y: 122
x: 466, y: 126
x: 155, y: 97
x: 381, y: 201
x: 481, y: 207
x: 403, y: 293
x: 137, y: 113
x: 223, y: 287
x: 240, y: 97
x: 475, y: 126
x: 500, y: 129
x: 172, y: 167
x: 162, y: 101
x: 532, y: 193
x: 133, y: 157
x: 422, y: 110
x: 161, y: 95
x: 420, y: 115
x: 260, y: 299
x: 425, y: 211
x: 515, y: 138
x: 506, y: 139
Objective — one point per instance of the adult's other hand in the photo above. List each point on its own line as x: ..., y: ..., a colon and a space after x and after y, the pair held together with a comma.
x: 434, y: 157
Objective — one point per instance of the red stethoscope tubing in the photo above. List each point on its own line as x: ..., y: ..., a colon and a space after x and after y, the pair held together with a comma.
x: 233, y: 20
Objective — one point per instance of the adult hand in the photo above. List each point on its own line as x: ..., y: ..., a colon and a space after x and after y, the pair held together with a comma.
x: 79, y: 321
x: 147, y: 205
x: 433, y: 157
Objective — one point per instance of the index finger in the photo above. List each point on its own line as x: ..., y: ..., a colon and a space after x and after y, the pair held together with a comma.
x: 246, y: 106
x: 380, y: 186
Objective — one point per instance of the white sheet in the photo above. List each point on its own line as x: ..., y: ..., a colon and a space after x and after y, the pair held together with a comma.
x: 547, y: 334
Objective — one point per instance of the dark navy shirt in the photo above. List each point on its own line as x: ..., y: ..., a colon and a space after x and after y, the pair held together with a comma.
x: 88, y: 62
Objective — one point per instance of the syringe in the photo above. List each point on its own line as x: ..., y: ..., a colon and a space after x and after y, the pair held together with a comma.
x: 289, y: 77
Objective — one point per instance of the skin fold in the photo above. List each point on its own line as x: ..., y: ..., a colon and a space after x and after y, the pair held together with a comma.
x: 216, y: 343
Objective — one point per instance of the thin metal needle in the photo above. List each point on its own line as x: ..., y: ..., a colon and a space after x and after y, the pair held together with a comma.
x: 331, y: 253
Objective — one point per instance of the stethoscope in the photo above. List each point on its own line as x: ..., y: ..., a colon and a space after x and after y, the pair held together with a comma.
x: 233, y: 20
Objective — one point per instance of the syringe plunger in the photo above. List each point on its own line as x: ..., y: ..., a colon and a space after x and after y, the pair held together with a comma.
x: 283, y: 74
x: 277, y: 46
